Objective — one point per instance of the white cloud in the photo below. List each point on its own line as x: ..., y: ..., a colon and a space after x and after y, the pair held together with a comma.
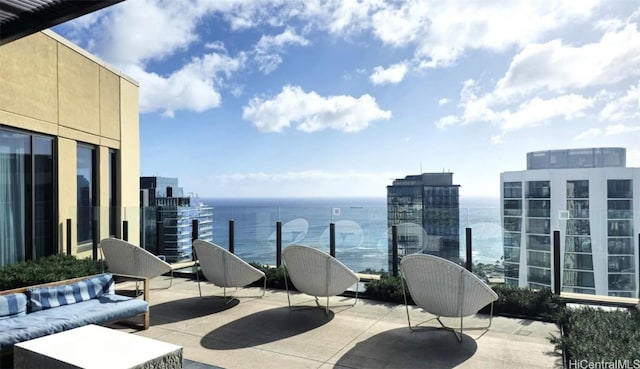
x: 624, y: 108
x: 554, y: 66
x: 589, y: 133
x: 394, y: 74
x: 268, y: 49
x: 539, y: 111
x: 312, y: 112
x: 446, y: 121
x: 443, y: 101
x: 193, y: 87
x: 618, y: 129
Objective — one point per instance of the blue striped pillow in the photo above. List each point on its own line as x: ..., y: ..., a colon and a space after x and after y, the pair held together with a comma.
x: 11, y: 305
x: 42, y: 298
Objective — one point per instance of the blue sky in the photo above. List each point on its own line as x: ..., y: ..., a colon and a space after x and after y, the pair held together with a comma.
x: 336, y: 98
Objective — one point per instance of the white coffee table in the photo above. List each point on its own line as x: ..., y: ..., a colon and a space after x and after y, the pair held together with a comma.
x: 94, y: 346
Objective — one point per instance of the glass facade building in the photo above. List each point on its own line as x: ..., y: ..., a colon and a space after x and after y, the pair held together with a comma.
x: 587, y: 195
x: 164, y: 206
x: 425, y: 209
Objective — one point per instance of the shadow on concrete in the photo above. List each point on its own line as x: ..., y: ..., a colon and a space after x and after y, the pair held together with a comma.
x: 189, y: 308
x: 402, y: 348
x: 264, y: 327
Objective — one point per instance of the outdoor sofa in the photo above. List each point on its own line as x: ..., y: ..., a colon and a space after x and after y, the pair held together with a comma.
x: 32, y: 312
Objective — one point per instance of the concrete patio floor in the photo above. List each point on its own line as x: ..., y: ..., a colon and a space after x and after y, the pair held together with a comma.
x: 251, y: 332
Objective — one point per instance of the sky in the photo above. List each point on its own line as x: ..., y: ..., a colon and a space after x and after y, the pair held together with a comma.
x: 284, y: 98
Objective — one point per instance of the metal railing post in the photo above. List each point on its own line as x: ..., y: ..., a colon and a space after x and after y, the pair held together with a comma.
x: 394, y: 250
x: 469, y: 248
x: 332, y: 239
x: 278, y: 243
x: 231, y: 236
x: 125, y: 230
x: 94, y: 246
x: 68, y: 236
x: 556, y: 262
x: 195, y: 234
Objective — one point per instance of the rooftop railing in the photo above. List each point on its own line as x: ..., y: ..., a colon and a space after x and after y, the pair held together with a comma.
x: 575, y: 257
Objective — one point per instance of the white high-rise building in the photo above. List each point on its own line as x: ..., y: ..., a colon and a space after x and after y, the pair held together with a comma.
x: 588, y: 196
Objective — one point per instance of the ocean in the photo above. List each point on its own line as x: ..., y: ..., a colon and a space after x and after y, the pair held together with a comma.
x: 361, y: 227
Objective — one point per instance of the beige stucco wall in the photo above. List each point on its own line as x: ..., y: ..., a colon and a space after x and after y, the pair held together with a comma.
x: 50, y: 86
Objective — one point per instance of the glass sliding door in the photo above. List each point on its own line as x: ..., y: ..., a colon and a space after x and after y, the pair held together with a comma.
x: 27, y: 197
x: 14, y: 167
x: 85, y: 192
x: 113, y: 184
x: 44, y: 216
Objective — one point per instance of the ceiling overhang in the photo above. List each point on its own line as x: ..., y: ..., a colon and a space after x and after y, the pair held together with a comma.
x: 19, y: 18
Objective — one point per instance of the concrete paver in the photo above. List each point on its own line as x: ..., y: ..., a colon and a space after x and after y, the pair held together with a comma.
x: 252, y: 332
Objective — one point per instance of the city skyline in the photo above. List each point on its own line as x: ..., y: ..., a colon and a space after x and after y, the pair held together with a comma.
x: 326, y: 99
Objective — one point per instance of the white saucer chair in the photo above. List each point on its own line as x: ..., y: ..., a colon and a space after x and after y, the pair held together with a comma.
x: 317, y: 273
x: 224, y: 269
x: 444, y: 289
x: 126, y: 258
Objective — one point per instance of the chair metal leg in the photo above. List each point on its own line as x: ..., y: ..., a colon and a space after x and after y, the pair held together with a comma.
x: 198, y: 279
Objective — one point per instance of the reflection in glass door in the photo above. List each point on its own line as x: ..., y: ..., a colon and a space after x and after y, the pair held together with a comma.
x: 27, y: 197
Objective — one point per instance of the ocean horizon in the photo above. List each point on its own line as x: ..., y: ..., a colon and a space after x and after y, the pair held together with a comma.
x: 361, y: 227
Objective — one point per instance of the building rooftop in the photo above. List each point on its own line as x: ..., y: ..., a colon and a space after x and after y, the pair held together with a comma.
x: 426, y: 179
x: 599, y: 157
x: 253, y: 332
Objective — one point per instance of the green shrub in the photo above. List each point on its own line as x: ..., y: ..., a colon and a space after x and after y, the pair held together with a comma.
x: 46, y: 269
x: 596, y: 335
x: 387, y: 288
x: 533, y: 304
x: 274, y: 275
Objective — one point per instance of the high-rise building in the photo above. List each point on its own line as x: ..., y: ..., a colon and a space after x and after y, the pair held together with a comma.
x: 163, y: 204
x: 426, y: 210
x: 587, y: 195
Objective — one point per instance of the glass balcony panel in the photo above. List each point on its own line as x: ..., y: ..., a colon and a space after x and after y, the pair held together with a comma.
x: 538, y: 226
x: 573, y: 278
x: 541, y: 243
x: 618, y: 228
x: 621, y: 264
x: 620, y: 246
x: 578, y: 244
x: 578, y: 261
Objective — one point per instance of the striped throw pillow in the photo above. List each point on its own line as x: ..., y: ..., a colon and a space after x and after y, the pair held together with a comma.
x: 42, y: 298
x: 11, y: 305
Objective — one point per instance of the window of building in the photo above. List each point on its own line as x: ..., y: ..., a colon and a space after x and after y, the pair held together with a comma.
x: 621, y: 264
x: 513, y: 190
x: 539, y: 259
x: 619, y: 209
x: 578, y: 244
x: 539, y: 226
x: 542, y: 243
x: 620, y: 246
x: 578, y: 189
x: 538, y: 189
x: 86, y: 193
x: 579, y: 279
x: 513, y: 207
x: 619, y: 228
x: 539, y: 208
x: 619, y: 189
x: 578, y: 261
x: 578, y: 208
x: 27, y: 196
x: 578, y: 227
